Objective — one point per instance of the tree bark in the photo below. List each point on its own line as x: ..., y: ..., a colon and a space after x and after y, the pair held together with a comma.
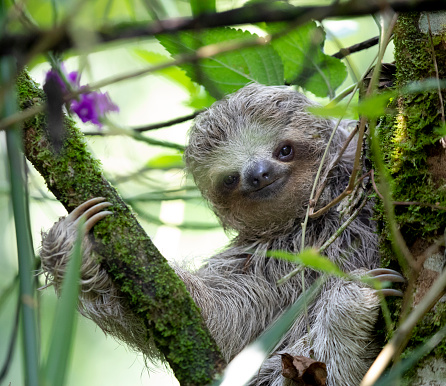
x: 416, y: 159
x: 153, y: 290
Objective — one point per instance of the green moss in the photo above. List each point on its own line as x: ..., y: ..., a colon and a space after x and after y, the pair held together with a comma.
x: 411, y: 137
x: 408, y: 141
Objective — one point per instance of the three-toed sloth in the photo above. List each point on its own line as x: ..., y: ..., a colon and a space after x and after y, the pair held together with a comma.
x: 254, y: 156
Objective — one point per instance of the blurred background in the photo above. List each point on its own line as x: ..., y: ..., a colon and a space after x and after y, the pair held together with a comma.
x: 184, y: 229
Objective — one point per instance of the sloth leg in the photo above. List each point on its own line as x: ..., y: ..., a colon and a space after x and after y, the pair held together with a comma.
x: 341, y: 332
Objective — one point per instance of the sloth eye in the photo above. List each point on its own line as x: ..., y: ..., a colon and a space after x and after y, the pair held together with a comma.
x: 286, y: 150
x: 285, y: 153
x: 230, y: 180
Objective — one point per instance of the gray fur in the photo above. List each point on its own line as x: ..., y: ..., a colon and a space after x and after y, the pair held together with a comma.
x: 236, y: 289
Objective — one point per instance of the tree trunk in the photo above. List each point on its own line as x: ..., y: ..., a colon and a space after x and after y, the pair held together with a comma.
x: 416, y: 159
x: 151, y: 286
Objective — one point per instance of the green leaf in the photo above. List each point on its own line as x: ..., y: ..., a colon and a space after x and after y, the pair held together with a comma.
x: 227, y: 72
x: 199, y: 97
x: 173, y: 73
x: 305, y: 63
x: 166, y: 161
x: 65, y: 318
x: 19, y: 200
x: 202, y: 6
x: 374, y: 106
x: 336, y: 111
x: 312, y: 259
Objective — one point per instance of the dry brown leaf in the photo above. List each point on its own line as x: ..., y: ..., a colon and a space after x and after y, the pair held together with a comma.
x: 304, y: 371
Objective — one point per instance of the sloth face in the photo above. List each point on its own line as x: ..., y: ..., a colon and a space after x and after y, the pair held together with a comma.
x: 254, y: 155
x: 261, y: 183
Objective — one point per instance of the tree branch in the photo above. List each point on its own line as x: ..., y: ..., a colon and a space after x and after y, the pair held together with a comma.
x: 343, y: 52
x: 154, y: 126
x: 60, y: 40
x: 154, y: 292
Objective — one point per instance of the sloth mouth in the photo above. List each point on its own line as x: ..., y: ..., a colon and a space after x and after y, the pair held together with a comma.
x: 268, y: 191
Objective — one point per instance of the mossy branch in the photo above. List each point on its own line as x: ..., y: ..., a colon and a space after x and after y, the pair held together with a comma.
x: 154, y: 292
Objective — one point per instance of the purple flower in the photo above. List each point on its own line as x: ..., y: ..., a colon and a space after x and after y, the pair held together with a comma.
x: 90, y: 106
x: 74, y: 78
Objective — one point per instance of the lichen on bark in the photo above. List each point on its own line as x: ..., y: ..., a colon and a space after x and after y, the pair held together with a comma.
x: 154, y: 292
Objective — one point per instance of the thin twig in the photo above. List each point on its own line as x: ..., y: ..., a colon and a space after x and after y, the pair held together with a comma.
x: 151, y: 127
x: 21, y: 116
x: 328, y: 242
x: 336, y: 161
x: 343, y: 52
x: 339, y: 198
x: 201, y: 53
x: 204, y: 52
x: 343, y: 226
x: 402, y: 334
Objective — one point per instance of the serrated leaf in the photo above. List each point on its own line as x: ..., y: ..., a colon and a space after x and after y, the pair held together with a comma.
x: 227, y: 72
x: 312, y: 259
x: 305, y: 64
x: 166, y: 161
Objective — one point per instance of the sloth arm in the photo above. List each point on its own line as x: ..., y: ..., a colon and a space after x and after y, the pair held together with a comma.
x: 235, y: 306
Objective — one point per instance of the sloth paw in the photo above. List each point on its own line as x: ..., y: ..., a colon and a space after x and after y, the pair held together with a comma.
x: 387, y: 275
x: 91, y: 211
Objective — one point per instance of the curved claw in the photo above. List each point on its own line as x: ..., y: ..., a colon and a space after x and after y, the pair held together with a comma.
x: 93, y: 210
x: 92, y: 221
x: 390, y: 277
x: 390, y: 292
x: 382, y: 271
x: 78, y: 211
x: 386, y: 274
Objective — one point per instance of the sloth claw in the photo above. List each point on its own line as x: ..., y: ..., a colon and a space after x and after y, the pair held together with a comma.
x: 91, y: 211
x: 390, y: 292
x: 91, y: 222
x: 89, y: 214
x: 78, y: 211
x: 386, y: 274
x: 389, y: 275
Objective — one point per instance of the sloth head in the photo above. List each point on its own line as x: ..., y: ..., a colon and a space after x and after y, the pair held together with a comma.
x: 254, y: 156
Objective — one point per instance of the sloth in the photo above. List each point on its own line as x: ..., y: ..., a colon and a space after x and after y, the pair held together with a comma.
x: 254, y: 157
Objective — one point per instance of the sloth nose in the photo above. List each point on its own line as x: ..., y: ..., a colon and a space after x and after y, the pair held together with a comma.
x: 260, y: 175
